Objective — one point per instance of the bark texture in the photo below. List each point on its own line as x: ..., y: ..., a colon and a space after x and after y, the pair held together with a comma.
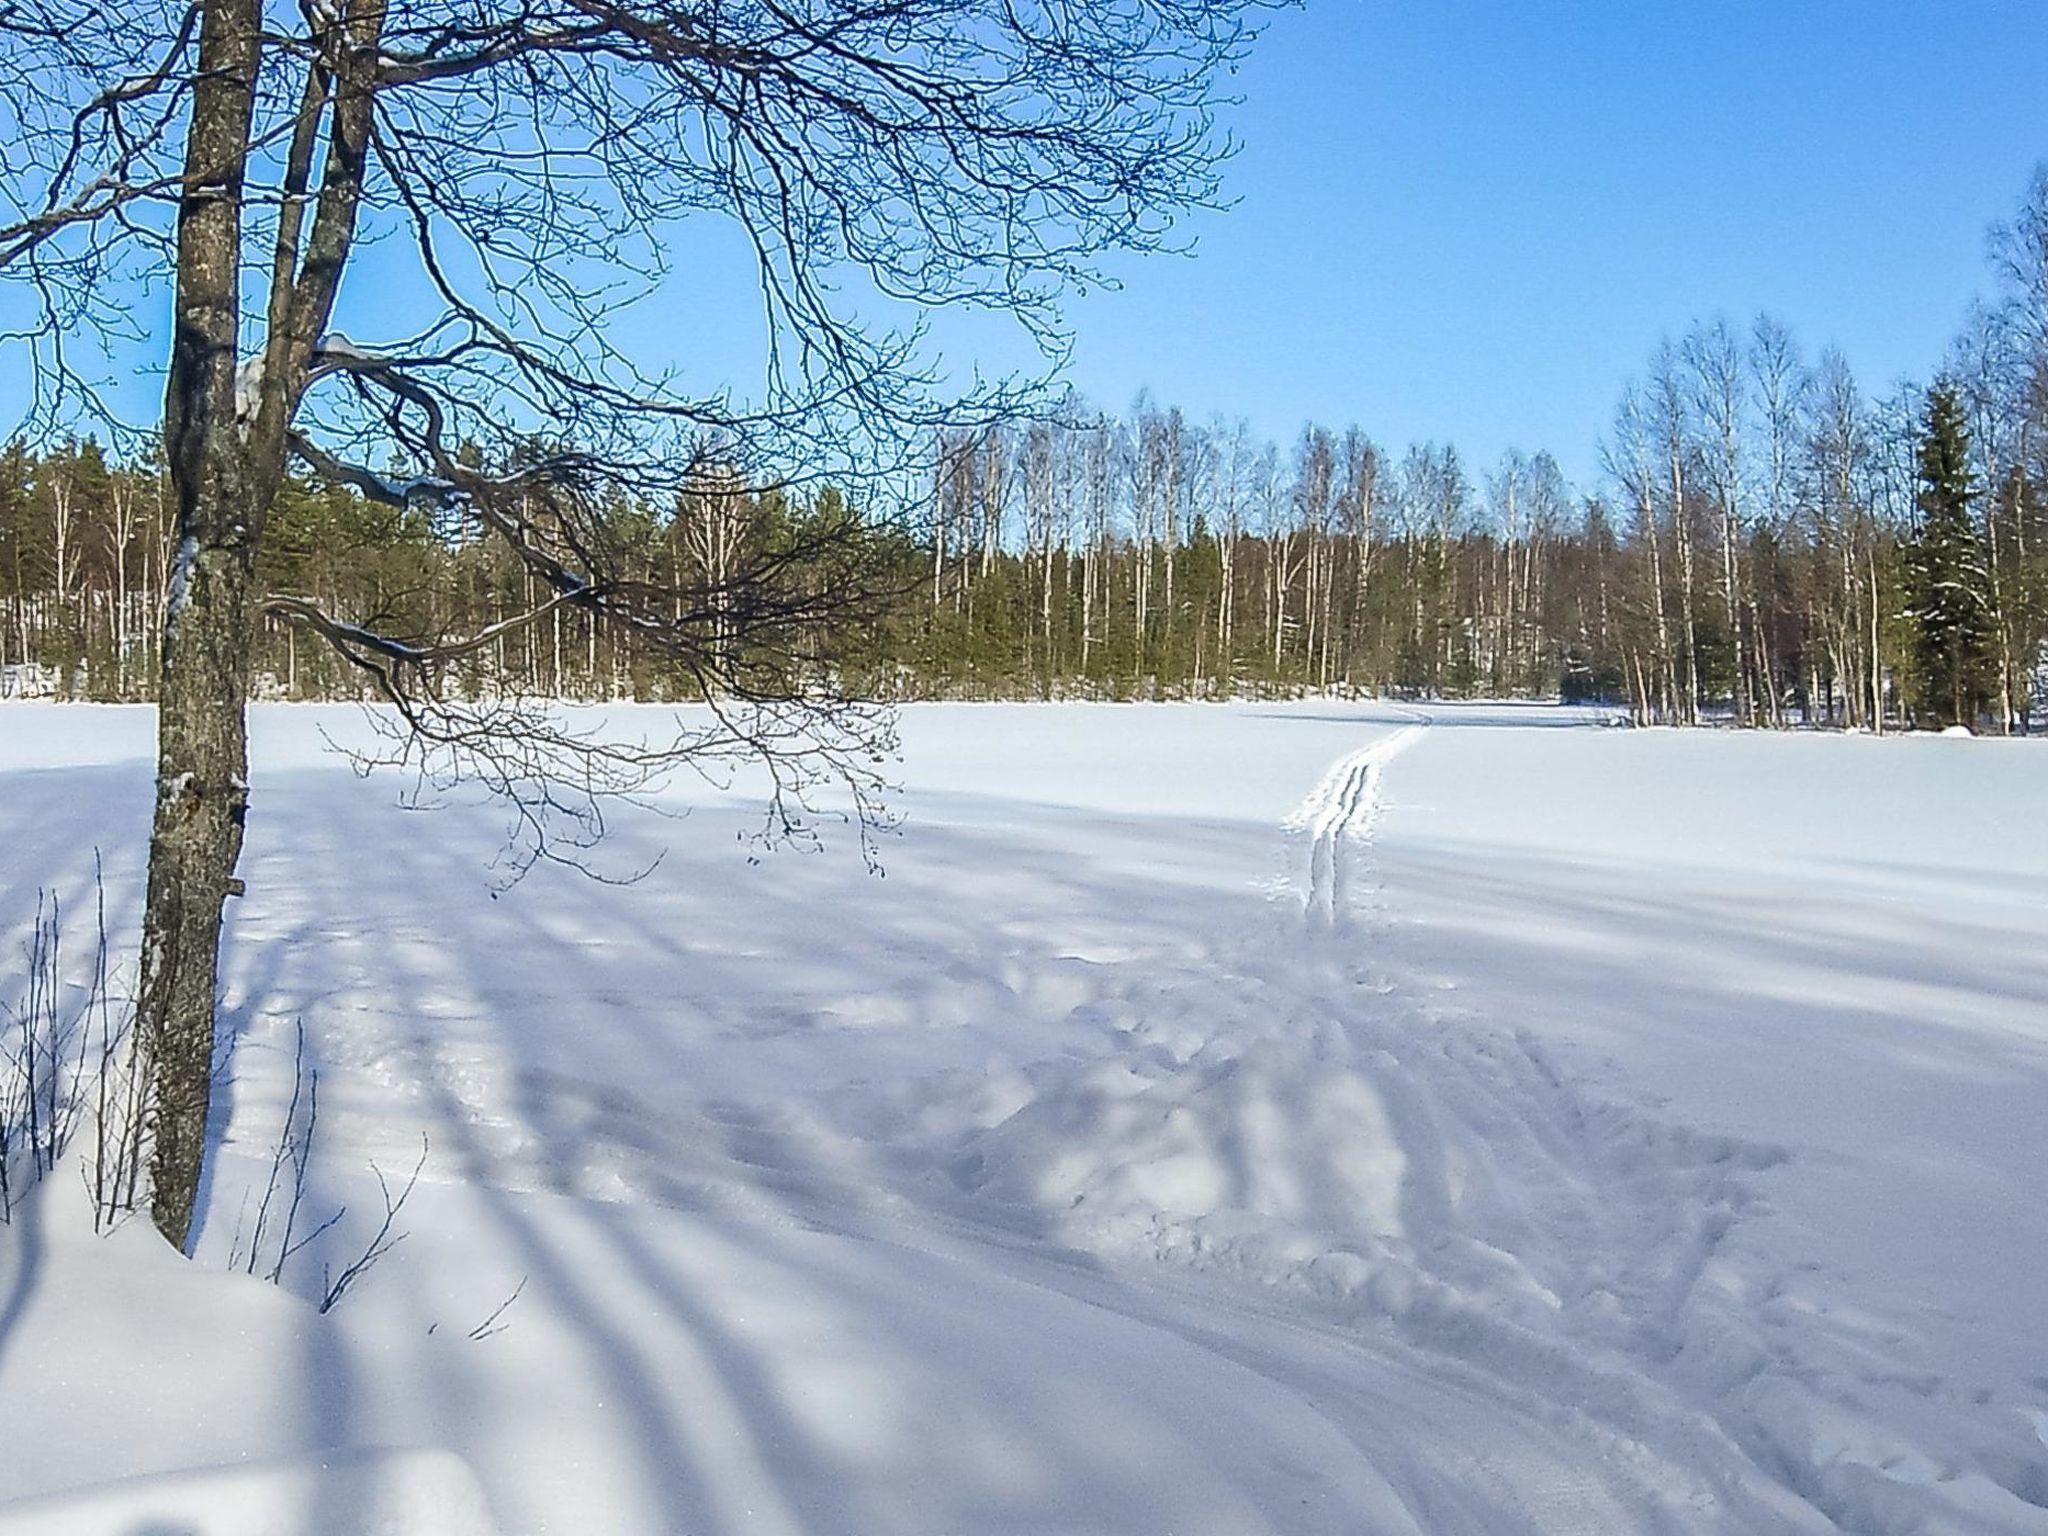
x: 202, y: 747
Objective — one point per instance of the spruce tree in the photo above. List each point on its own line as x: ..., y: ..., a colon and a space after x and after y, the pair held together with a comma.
x: 1948, y: 581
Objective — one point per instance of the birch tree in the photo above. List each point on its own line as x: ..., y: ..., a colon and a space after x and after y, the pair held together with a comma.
x: 1720, y: 398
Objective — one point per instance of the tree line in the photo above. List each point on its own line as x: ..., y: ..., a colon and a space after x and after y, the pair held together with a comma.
x: 1767, y: 543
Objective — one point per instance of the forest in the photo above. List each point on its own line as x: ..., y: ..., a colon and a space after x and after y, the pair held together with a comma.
x: 1765, y: 544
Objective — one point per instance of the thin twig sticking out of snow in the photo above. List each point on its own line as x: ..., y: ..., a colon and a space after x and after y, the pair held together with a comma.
x: 491, y: 1325
x: 383, y: 1240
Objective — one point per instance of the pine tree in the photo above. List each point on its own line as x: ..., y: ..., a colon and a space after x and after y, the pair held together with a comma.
x: 1948, y: 578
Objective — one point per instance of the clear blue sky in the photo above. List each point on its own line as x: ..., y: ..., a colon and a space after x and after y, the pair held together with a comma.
x: 1471, y: 219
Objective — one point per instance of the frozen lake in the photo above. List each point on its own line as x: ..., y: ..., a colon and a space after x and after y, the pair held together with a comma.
x: 1218, y: 1119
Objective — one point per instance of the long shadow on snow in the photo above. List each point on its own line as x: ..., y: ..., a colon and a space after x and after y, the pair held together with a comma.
x: 345, y: 916
x: 397, y: 898
x: 715, y: 936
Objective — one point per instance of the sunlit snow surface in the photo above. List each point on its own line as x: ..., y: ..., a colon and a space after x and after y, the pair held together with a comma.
x: 1309, y: 1118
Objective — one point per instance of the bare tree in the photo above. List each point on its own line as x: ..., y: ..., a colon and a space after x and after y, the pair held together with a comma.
x: 2003, y: 370
x: 1435, y: 497
x: 1630, y: 457
x: 1778, y: 382
x: 532, y: 157
x: 1720, y: 400
x: 1360, y: 507
x: 1672, y: 410
x: 1315, y: 513
x: 716, y: 520
x: 1839, y: 453
x: 2019, y: 251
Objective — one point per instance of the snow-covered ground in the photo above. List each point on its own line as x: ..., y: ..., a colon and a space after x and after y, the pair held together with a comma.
x: 1308, y: 1118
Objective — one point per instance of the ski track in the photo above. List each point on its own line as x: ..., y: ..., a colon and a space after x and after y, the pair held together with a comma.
x: 1341, y: 810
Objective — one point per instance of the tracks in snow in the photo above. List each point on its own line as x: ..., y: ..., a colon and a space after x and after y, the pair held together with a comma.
x: 1342, y: 810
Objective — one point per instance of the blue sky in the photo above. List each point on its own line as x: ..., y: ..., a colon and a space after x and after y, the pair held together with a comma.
x: 1471, y: 219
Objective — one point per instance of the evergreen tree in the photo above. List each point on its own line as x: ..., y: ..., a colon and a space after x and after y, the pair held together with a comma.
x: 1947, y: 578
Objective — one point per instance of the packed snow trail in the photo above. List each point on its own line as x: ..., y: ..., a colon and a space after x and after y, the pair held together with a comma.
x: 1342, y: 809
x: 1062, y: 1181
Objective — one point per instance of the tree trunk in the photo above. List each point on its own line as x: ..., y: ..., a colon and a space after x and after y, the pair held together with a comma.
x: 202, y: 753
x: 1731, y: 592
x: 202, y: 795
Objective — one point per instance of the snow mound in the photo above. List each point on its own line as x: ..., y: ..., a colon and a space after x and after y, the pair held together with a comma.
x: 1379, y: 1164
x: 373, y: 1493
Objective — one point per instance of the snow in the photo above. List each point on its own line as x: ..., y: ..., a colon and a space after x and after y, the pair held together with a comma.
x: 337, y: 346
x: 186, y: 557
x: 249, y: 389
x: 415, y: 1493
x: 1262, y: 1118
